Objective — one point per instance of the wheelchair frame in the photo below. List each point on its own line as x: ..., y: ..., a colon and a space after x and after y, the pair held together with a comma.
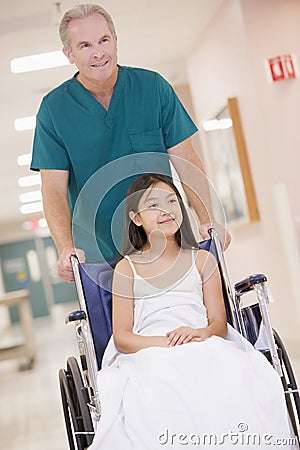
x: 78, y: 386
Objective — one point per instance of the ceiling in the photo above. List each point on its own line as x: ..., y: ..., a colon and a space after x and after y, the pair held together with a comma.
x: 156, y: 34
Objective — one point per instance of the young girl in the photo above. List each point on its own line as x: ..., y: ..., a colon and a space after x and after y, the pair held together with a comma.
x: 174, y: 374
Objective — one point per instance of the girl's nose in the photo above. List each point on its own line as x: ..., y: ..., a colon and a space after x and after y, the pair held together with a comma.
x: 165, y: 211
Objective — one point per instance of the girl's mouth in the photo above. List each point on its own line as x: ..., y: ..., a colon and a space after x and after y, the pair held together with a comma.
x: 167, y: 220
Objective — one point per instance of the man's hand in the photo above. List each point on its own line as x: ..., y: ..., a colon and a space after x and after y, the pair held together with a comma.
x: 223, y: 233
x: 64, y: 265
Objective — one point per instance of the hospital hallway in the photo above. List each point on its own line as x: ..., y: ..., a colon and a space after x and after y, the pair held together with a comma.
x: 30, y: 412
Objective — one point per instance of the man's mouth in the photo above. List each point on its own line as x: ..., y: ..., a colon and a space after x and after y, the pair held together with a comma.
x: 99, y: 64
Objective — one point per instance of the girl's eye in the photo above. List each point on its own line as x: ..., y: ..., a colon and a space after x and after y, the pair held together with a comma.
x: 173, y: 200
x: 85, y: 45
x: 153, y: 205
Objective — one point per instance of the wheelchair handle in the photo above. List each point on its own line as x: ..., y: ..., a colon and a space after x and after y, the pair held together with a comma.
x: 81, y: 297
x: 236, y: 317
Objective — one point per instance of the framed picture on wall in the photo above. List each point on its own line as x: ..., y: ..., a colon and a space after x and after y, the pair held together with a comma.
x: 228, y: 165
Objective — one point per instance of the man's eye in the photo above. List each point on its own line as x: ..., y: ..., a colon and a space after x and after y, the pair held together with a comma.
x: 153, y: 205
x: 173, y: 200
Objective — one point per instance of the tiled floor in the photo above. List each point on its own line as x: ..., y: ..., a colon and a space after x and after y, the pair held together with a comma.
x: 30, y: 409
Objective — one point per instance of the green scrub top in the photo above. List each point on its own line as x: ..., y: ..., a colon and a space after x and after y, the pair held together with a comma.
x: 104, y: 150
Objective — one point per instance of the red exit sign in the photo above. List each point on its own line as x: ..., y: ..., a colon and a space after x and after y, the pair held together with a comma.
x: 281, y: 67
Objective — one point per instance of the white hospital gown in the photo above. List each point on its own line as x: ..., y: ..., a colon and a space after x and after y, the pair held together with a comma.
x: 212, y: 394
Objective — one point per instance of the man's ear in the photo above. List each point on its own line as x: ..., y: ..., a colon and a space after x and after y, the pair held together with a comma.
x: 68, y: 54
x: 135, y: 218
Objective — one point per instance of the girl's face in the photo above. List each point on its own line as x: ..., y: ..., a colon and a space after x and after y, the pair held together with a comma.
x: 158, y: 210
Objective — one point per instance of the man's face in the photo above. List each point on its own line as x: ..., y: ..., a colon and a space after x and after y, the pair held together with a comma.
x: 93, y: 48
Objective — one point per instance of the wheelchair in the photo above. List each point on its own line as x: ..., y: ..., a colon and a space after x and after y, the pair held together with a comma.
x: 78, y: 387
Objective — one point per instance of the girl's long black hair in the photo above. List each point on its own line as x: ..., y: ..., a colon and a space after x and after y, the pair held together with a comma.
x: 135, y: 237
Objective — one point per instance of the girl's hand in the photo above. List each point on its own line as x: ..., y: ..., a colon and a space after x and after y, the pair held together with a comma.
x: 183, y: 335
x: 198, y: 339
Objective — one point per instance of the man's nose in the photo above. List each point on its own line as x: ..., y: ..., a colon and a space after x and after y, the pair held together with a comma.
x: 98, y: 52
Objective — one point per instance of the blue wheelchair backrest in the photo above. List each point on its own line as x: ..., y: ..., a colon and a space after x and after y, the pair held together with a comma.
x: 96, y: 279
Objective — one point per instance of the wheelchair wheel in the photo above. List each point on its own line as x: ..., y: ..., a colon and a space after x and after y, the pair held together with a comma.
x: 75, y: 401
x: 289, y: 385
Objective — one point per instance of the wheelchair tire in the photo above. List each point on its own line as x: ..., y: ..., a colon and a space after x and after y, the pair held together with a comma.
x: 67, y: 405
x: 74, y: 396
x: 289, y: 385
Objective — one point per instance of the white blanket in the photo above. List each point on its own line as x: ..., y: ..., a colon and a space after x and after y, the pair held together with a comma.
x: 217, y: 393
x: 207, y: 392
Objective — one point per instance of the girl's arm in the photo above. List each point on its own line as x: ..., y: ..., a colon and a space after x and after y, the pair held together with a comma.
x: 123, y: 314
x: 212, y: 296
x: 213, y: 301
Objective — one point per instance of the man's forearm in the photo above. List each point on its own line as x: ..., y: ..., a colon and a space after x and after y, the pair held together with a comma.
x: 196, y: 186
x: 192, y: 175
x: 58, y: 216
x: 201, y: 205
x: 56, y: 206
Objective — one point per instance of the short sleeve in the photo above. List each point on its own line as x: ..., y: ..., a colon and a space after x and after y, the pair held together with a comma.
x: 176, y: 122
x: 48, y: 149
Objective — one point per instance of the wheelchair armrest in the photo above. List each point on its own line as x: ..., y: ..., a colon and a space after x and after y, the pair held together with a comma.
x: 75, y: 316
x: 248, y: 283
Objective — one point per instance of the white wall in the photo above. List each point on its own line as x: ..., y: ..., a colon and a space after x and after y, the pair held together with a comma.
x: 229, y: 62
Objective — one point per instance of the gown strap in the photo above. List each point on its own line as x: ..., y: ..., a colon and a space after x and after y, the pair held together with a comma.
x: 131, y: 265
x: 194, y: 255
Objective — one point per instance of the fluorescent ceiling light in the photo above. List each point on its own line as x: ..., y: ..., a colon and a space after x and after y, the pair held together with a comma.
x: 225, y: 123
x: 31, y: 180
x: 43, y: 222
x: 25, y: 123
x: 31, y: 208
x: 32, y: 196
x: 24, y: 160
x: 215, y: 124
x: 38, y: 62
x: 211, y: 125
x: 35, y: 223
x: 27, y: 225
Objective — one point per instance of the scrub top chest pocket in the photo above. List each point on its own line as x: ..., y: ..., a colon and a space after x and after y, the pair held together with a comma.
x: 148, y: 141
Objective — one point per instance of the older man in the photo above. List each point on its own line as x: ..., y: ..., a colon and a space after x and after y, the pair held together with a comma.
x: 106, y: 113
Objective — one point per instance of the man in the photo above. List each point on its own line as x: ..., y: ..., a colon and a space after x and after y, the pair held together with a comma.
x: 106, y: 113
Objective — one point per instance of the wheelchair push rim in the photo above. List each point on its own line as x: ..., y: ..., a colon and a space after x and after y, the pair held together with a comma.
x: 78, y: 421
x: 290, y: 387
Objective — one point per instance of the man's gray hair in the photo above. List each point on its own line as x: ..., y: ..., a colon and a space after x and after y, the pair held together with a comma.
x: 79, y: 12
